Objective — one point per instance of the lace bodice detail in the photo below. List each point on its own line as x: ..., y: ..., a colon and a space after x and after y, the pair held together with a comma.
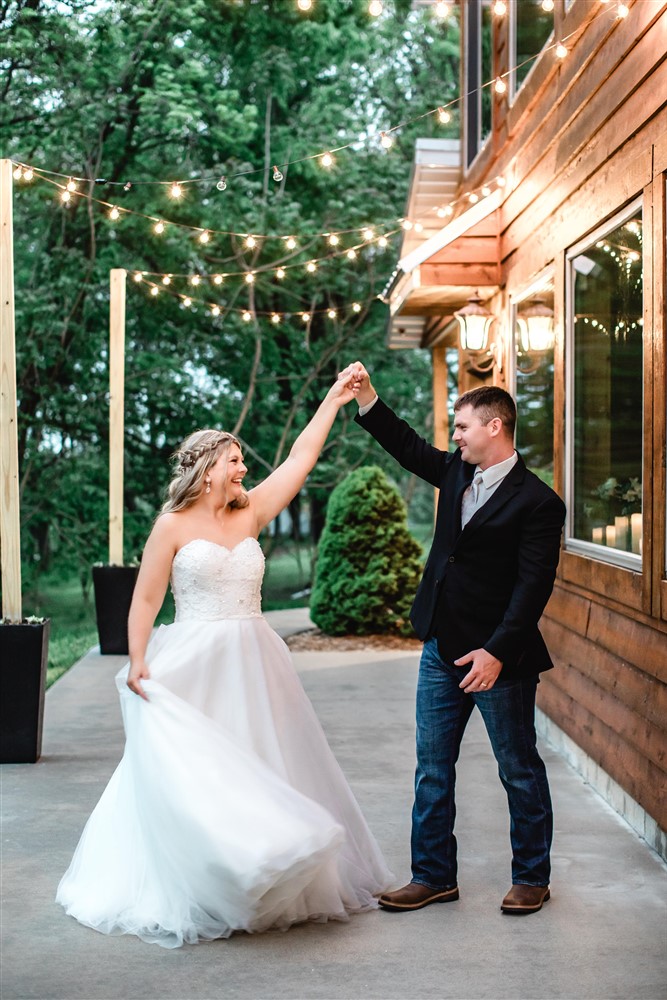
x: 210, y: 581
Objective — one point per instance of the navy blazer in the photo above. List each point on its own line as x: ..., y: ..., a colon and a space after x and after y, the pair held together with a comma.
x: 486, y: 585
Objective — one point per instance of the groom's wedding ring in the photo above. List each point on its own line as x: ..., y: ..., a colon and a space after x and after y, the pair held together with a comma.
x: 483, y: 684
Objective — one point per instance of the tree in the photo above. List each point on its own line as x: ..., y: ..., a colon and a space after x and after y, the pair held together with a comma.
x: 182, y: 89
x: 368, y: 563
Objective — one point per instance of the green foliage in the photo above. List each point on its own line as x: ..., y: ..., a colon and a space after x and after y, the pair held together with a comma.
x: 154, y: 91
x: 368, y: 563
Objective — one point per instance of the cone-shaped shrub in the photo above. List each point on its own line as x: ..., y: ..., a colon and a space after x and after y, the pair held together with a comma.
x: 368, y: 563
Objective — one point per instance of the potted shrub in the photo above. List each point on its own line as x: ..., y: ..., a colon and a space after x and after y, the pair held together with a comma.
x: 24, y: 647
x: 114, y: 586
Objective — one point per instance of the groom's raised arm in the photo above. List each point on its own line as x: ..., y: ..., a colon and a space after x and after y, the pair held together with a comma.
x: 396, y: 436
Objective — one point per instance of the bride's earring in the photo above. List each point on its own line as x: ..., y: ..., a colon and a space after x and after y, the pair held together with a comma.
x: 208, y: 484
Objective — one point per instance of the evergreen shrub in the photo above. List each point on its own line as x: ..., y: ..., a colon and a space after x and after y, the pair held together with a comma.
x: 368, y: 563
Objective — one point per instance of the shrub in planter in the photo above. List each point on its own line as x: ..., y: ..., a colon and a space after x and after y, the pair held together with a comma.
x: 23, y: 657
x: 368, y: 563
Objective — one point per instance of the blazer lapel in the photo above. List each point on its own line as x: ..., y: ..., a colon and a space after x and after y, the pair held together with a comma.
x: 507, y: 490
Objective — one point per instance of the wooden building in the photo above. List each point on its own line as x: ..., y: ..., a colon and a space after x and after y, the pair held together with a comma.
x: 551, y: 210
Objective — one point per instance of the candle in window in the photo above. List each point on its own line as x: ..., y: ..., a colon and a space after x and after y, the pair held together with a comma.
x: 622, y: 525
x: 636, y: 532
x: 598, y: 536
x: 610, y: 535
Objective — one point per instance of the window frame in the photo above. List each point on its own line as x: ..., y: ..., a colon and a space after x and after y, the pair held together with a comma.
x: 576, y: 546
x: 513, y: 90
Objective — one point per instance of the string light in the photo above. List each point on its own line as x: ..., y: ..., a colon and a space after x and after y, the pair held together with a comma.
x: 250, y: 278
x: 204, y: 237
x: 406, y: 224
x: 251, y: 242
x: 187, y: 302
x: 158, y: 228
x: 547, y: 6
x: 351, y: 254
x: 623, y: 10
x: 155, y: 291
x: 275, y: 318
x: 114, y: 214
x: 383, y: 242
x: 17, y: 173
x: 356, y: 307
x: 331, y: 313
x: 367, y: 234
x: 327, y: 161
x: 334, y: 240
x: 304, y: 5
x: 290, y: 243
x: 28, y: 174
x: 444, y: 116
x: 166, y: 280
x: 561, y: 51
x: 473, y: 198
x: 71, y: 186
x: 500, y: 8
x: 215, y: 311
x: 176, y: 191
x: 195, y: 280
x: 305, y: 317
x: 247, y: 315
x: 499, y: 86
x: 217, y: 279
x: 375, y: 8
x: 138, y: 277
x: 486, y: 191
x: 222, y: 184
x: 277, y: 175
x: 386, y: 140
x: 280, y: 273
x: 65, y: 197
x: 441, y: 10
x: 311, y: 267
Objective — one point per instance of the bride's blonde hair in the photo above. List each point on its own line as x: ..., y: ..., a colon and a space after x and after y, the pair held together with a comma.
x: 195, y: 456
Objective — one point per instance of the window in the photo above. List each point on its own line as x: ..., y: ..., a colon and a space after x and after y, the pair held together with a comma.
x: 530, y: 29
x: 478, y: 71
x: 533, y: 366
x: 605, y: 383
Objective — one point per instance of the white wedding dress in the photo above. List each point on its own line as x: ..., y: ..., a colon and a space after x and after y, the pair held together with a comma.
x: 228, y: 811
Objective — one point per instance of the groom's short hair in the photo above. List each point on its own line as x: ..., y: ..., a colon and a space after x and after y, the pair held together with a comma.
x: 490, y: 401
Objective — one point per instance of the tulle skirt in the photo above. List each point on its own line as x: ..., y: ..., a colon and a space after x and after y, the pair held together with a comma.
x: 228, y: 811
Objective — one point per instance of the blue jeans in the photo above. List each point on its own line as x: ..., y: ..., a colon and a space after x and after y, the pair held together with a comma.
x: 508, y: 710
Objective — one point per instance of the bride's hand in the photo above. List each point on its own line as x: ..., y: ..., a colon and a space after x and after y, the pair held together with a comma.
x: 138, y: 672
x: 345, y: 388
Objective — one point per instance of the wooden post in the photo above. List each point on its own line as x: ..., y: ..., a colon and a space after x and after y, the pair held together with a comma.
x: 117, y: 281
x: 10, y: 529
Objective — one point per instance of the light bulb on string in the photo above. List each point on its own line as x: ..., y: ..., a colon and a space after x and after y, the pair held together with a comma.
x: 500, y: 181
x: 247, y: 315
x: 222, y: 184
x: 114, y: 213
x: 158, y: 228
x: 333, y: 240
x: 547, y: 6
x: 195, y: 280
x: 305, y: 317
x: 386, y: 140
x: 187, y: 302
x: 351, y: 254
x: 155, y: 291
x: 407, y: 225
x: 217, y: 279
x: 166, y: 280
x: 499, y: 86
x: 326, y: 161
x: 204, y: 237
x: 250, y: 278
x: 418, y: 227
x: 277, y: 175
x: 175, y: 190
x: 311, y: 267
x: 375, y: 8
x: 280, y: 273
x: 65, y: 197
x: 444, y: 211
x: 71, y: 186
x: 138, y: 277
x: 444, y: 116
x: 486, y: 191
x: 473, y: 198
x: 28, y: 174
x: 331, y: 313
x: 17, y: 173
x: 623, y: 10
x: 275, y: 318
x: 500, y: 8
x: 127, y: 186
x: 356, y: 307
x: 561, y: 51
x: 215, y: 311
x: 383, y: 242
x: 304, y: 5
x: 367, y: 234
x: 250, y: 242
x: 441, y: 10
x: 290, y: 242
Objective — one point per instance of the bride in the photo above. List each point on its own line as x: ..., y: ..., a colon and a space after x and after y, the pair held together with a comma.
x: 228, y: 811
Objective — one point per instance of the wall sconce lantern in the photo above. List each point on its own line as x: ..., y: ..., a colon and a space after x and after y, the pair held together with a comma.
x: 475, y: 322
x: 536, y: 327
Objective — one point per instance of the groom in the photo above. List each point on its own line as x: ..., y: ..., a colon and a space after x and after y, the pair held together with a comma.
x: 488, y: 577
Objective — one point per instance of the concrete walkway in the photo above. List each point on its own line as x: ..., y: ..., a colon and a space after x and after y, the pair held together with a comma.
x: 602, y: 935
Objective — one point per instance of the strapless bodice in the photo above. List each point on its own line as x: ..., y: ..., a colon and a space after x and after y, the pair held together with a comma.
x: 210, y: 581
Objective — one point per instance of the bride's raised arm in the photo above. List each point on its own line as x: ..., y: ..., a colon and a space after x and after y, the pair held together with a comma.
x: 273, y: 495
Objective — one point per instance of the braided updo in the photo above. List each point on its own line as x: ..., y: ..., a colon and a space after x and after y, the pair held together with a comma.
x: 196, y: 455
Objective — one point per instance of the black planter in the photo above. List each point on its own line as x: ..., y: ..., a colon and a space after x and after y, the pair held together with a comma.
x: 114, y: 586
x: 23, y: 656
